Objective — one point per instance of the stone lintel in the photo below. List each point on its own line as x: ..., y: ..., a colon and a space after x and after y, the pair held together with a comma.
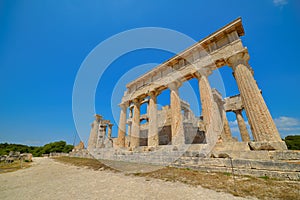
x: 217, y: 95
x: 233, y: 103
x: 234, y: 27
x: 267, y: 145
x: 187, y: 72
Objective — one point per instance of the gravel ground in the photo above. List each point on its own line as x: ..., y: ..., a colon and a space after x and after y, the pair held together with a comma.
x: 47, y: 179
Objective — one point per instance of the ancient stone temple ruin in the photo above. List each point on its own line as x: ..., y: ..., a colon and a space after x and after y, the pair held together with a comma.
x: 223, y: 48
x: 98, y: 136
x: 174, y: 134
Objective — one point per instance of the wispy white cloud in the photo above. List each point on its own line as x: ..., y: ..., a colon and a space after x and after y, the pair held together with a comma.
x: 285, y: 125
x: 280, y: 2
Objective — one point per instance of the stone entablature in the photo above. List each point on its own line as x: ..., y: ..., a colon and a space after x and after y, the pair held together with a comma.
x: 233, y: 103
x: 210, y: 53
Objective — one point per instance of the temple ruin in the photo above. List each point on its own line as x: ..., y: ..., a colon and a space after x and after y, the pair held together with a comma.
x: 222, y: 48
x: 175, y: 135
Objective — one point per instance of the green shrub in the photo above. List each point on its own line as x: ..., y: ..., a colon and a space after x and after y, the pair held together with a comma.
x: 60, y: 147
x: 292, y: 142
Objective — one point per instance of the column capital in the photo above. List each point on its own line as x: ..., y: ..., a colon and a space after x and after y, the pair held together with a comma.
x: 239, y: 58
x: 238, y: 111
x: 136, y: 101
x: 110, y: 125
x: 202, y: 72
x: 124, y: 105
x: 153, y: 93
x: 174, y: 85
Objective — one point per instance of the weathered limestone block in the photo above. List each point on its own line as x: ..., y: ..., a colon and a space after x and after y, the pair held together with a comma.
x: 232, y: 146
x: 270, y: 146
x: 26, y: 156
x: 79, y: 146
x: 285, y: 155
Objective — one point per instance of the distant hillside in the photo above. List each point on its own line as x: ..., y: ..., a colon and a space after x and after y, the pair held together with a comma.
x: 59, y: 146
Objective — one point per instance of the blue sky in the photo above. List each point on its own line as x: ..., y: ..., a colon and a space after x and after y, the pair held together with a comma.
x: 44, y: 42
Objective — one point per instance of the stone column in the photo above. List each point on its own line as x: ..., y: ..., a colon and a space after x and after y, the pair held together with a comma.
x: 122, y: 125
x: 129, y: 133
x: 260, y: 120
x: 176, y: 121
x: 242, y: 126
x: 109, y: 130
x: 205, y: 95
x: 101, y: 135
x: 153, y: 126
x: 92, y: 143
x: 135, y: 128
x: 227, y: 131
x: 207, y: 103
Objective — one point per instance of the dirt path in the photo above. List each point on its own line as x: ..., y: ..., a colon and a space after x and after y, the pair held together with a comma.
x: 47, y: 179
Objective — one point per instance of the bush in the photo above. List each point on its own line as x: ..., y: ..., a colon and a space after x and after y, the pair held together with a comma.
x: 292, y: 142
x: 59, y: 146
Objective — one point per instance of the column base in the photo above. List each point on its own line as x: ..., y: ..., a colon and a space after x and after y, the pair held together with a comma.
x: 267, y: 145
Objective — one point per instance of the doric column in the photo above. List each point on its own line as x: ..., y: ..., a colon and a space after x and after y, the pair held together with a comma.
x: 153, y: 126
x: 205, y: 95
x: 242, y: 126
x: 226, y: 129
x: 135, y: 128
x: 101, y: 135
x: 109, y: 130
x: 129, y: 132
x: 260, y: 120
x: 122, y: 125
x: 176, y: 121
x: 94, y: 133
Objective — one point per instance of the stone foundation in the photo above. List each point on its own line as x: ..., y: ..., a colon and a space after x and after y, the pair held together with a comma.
x: 274, y: 164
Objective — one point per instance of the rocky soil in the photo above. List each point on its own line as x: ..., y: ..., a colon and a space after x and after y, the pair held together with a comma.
x: 49, y: 179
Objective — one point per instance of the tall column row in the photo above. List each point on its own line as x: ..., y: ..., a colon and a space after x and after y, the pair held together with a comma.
x: 260, y: 120
x: 177, y: 129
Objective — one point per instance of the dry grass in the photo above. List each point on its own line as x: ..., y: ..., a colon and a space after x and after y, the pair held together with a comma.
x: 84, y: 162
x: 262, y: 188
x: 10, y: 167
